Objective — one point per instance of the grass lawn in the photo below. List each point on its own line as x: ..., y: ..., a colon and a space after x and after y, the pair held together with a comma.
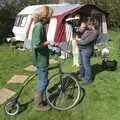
x: 101, y: 101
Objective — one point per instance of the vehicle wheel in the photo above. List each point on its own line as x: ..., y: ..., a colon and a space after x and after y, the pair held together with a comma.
x: 12, y: 108
x: 63, y: 91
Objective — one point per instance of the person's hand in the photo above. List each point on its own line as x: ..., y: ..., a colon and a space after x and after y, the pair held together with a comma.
x: 52, y: 43
x: 78, y: 39
x: 35, y: 46
x: 38, y: 46
x: 46, y: 43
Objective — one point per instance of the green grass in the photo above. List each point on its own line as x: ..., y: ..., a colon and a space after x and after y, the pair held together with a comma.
x: 101, y: 101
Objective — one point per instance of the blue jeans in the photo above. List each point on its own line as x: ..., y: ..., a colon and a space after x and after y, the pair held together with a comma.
x: 42, y: 74
x: 85, y: 67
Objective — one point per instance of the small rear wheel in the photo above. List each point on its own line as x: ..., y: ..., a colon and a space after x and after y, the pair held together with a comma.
x: 12, y: 108
x: 63, y: 91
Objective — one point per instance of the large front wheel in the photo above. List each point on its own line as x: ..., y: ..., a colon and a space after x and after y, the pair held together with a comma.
x: 63, y: 91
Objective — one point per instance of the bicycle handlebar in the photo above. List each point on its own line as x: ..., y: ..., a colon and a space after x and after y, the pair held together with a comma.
x: 57, y: 50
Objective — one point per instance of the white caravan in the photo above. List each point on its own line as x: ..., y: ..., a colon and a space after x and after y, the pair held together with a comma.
x: 23, y: 24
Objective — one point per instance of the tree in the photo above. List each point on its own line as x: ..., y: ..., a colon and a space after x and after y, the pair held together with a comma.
x: 110, y: 6
x: 8, y: 12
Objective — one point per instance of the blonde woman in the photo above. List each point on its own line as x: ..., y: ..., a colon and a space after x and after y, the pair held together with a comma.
x: 41, y: 55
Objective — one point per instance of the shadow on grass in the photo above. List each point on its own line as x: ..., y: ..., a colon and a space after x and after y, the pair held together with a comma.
x: 24, y: 106
x: 82, y: 90
x: 82, y: 95
x: 105, y: 66
x: 96, y: 69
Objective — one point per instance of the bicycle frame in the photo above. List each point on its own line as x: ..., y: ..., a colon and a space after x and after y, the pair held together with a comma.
x: 58, y: 66
x: 23, y: 86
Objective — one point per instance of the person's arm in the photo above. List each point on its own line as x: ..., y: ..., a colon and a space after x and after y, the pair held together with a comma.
x: 88, y: 39
x: 37, y: 36
x: 42, y: 44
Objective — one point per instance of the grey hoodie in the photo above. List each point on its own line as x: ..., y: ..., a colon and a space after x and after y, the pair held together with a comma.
x: 87, y: 39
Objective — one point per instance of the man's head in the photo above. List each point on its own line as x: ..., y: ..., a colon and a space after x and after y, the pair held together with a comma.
x: 91, y: 25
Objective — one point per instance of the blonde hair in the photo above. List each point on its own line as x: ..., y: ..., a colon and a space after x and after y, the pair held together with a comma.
x: 44, y: 12
x: 35, y: 16
x: 50, y: 12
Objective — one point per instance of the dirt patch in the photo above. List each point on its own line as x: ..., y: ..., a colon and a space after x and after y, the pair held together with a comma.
x: 5, y: 94
x: 18, y: 79
x: 30, y: 68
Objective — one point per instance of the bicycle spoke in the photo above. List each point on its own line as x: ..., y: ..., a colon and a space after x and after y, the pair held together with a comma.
x: 64, y: 93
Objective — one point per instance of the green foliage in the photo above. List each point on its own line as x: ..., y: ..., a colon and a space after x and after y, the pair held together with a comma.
x: 9, y: 10
x: 6, y: 21
x: 110, y: 6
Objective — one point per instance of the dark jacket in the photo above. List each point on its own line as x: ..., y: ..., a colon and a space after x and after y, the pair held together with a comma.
x: 87, y: 39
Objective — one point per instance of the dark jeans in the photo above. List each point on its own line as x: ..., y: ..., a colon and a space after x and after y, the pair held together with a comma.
x: 42, y: 82
x: 85, y: 67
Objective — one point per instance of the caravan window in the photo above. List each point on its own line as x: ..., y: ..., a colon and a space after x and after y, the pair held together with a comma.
x: 17, y: 20
x: 21, y: 20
